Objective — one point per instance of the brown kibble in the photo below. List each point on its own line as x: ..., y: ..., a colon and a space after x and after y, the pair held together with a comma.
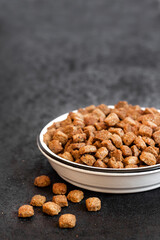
x: 42, y: 181
x: 25, y: 211
x: 131, y: 166
x: 117, y: 154
x: 152, y: 150
x: 59, y: 188
x: 108, y: 144
x: 51, y: 208
x: 100, y: 126
x: 102, y: 135
x: 87, y: 149
x: 90, y: 108
x: 38, y: 200
x: 112, y: 119
x: 149, y: 141
x: 122, y: 104
x: 76, y: 154
x: 145, y: 131
x: 100, y: 163
x: 88, y: 159
x: 79, y: 138
x: 130, y: 121
x: 66, y: 155
x: 67, y: 221
x: 97, y: 144
x: 117, y: 141
x: 60, y: 136
x: 90, y: 119
x: 104, y: 108
x: 93, y: 204
x: 135, y: 151
x: 148, y: 158
x: 131, y: 160
x: 61, y: 200
x: 75, y: 196
x: 140, y: 143
x: 98, y: 113
x: 156, y: 136
x: 55, y: 146
x: 101, y: 153
x: 128, y: 138
x: 149, y: 124
x: 126, y: 151
x: 118, y: 131
x: 47, y: 137
x: 89, y: 130
x: 112, y: 163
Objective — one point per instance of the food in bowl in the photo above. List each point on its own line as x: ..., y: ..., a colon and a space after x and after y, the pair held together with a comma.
x: 125, y: 136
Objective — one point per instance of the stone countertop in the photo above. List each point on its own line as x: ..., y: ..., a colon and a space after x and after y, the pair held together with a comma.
x: 56, y: 56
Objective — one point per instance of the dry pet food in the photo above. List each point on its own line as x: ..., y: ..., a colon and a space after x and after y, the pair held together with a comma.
x: 98, y: 136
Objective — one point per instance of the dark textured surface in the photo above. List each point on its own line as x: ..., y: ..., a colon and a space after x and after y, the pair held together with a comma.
x: 56, y: 56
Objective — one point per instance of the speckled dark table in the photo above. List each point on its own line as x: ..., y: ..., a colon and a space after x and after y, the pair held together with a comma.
x: 56, y: 56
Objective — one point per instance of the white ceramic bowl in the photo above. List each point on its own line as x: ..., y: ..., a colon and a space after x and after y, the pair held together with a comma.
x: 97, y: 179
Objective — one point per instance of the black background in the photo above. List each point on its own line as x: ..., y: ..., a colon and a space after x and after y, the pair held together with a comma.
x: 56, y: 56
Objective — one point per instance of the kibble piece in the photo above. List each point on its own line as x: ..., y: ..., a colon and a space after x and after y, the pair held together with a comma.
x: 140, y: 143
x: 108, y: 144
x: 101, y: 153
x: 112, y: 119
x: 97, y: 144
x: 61, y: 200
x: 93, y: 204
x: 145, y: 131
x: 117, y: 154
x: 100, y: 126
x: 38, y: 200
x: 90, y: 120
x: 104, y: 108
x: 148, y: 158
x: 130, y: 121
x: 126, y: 151
x: 99, y: 114
x: 42, y: 181
x: 87, y: 149
x: 89, y: 130
x: 76, y: 154
x: 102, y: 135
x: 47, y: 137
x: 131, y: 166
x: 62, y: 137
x: 100, y: 163
x: 149, y: 141
x: 118, y: 131
x: 79, y: 137
x: 152, y: 150
x: 131, y: 160
x: 112, y: 163
x: 75, y: 196
x: 90, y: 140
x: 122, y: 104
x: 90, y: 108
x: 51, y: 208
x: 67, y: 221
x: 25, y: 211
x: 128, y: 138
x: 149, y: 124
x: 88, y: 159
x: 156, y: 136
x: 59, y: 188
x: 117, y: 141
x: 55, y: 146
x: 66, y: 155
x: 135, y: 151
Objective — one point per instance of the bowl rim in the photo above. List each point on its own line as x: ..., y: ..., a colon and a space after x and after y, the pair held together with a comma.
x: 44, y: 148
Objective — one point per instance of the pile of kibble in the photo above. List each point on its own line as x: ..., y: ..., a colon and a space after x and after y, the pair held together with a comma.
x: 59, y: 200
x: 123, y: 137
